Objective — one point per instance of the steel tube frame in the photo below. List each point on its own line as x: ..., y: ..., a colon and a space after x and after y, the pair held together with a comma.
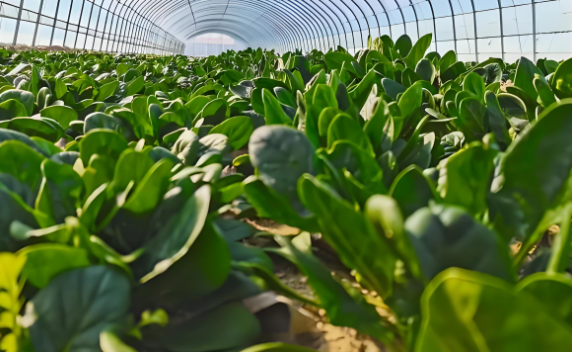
x: 136, y: 26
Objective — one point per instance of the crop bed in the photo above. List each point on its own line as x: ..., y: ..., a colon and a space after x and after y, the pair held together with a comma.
x: 145, y: 199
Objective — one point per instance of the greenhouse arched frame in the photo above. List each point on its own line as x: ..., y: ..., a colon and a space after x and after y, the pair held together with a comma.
x: 475, y: 29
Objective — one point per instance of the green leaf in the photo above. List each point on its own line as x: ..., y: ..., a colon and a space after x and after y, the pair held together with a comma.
x: 131, y: 74
x: 62, y: 114
x: 385, y: 215
x: 99, y: 120
x: 335, y: 60
x: 454, y: 71
x: 536, y: 176
x: 285, y: 97
x: 12, y: 108
x: 409, y: 102
x: 187, y: 148
x: 203, y: 332
x: 403, y: 45
x: 341, y: 308
x: 273, y: 112
x: 45, y: 261
x: 492, y: 73
x: 107, y: 90
x: 426, y: 70
x: 545, y: 95
x: 22, y: 162
x: 447, y: 60
x: 471, y: 119
x: 446, y: 236
x: 60, y: 89
x: 418, y: 51
x: 412, y: 190
x: 75, y: 307
x: 525, y: 76
x: 344, y: 127
x: 347, y: 156
x: 60, y: 191
x: 281, y: 155
x: 238, y: 129
x: 37, y: 126
x: 135, y: 86
x: 149, y: 192
x: 25, y: 98
x: 277, y: 347
x: 350, y: 235
x: 497, y: 120
x: 177, y: 237
x: 561, y: 80
x: 553, y: 292
x: 259, y: 195
x: 484, y: 313
x: 131, y: 166
x: 102, y: 142
x: 512, y: 107
x: 109, y: 342
x: 474, y: 84
x: 465, y: 177
x: 392, y: 88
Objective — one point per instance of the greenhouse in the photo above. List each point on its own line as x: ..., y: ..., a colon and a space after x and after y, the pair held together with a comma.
x: 285, y: 176
x: 474, y: 29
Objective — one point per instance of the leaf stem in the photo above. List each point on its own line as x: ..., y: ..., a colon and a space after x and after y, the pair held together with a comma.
x: 527, y: 245
x: 561, y: 249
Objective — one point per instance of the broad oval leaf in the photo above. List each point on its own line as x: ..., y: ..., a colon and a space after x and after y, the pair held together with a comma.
x: 75, y: 307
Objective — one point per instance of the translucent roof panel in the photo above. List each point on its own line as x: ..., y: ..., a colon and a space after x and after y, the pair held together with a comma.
x: 476, y: 29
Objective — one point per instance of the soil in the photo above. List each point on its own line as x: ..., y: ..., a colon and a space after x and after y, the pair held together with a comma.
x: 308, y: 325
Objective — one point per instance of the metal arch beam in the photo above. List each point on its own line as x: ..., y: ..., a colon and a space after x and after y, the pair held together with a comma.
x: 325, y: 15
x: 148, y: 8
x: 233, y: 24
x: 357, y: 21
x: 342, y: 23
x: 502, y: 29
x: 334, y: 22
x: 475, y: 33
x: 132, y: 32
x: 79, y: 24
x: 455, y: 23
x: 416, y: 18
x: 149, y: 35
x: 87, y: 28
x: 387, y: 17
x: 260, y: 31
x: 104, y: 30
x: 347, y: 20
x: 235, y: 18
x: 339, y: 32
x: 366, y: 20
x: 278, y: 35
x: 278, y: 32
x: 300, y: 21
x: 163, y: 10
x: 402, y: 16
x: 161, y: 16
x: 258, y: 3
x: 125, y: 34
x: 129, y: 32
x: 319, y: 11
x: 219, y: 30
x: 434, y: 25
x: 359, y: 25
x: 113, y: 18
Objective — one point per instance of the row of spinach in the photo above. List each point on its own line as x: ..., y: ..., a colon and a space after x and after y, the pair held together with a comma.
x: 125, y: 178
